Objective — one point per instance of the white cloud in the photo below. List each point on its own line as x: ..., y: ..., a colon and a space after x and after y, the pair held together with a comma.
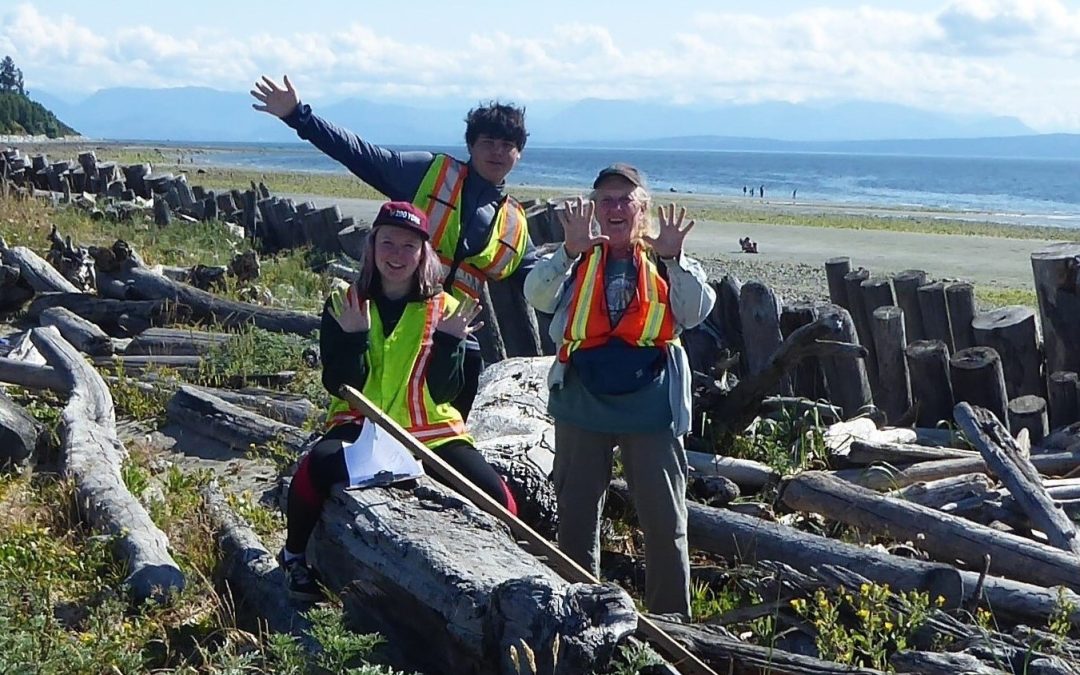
x: 1006, y: 57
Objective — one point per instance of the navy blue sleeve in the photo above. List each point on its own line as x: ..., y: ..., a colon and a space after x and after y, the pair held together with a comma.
x: 446, y: 374
x: 342, y: 355
x: 395, y: 174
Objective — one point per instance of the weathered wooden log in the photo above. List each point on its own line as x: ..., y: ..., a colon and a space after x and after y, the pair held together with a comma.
x: 936, y: 494
x: 1057, y: 284
x: 759, y: 312
x: 20, y: 434
x: 1006, y: 460
x: 146, y: 285
x: 111, y: 315
x: 1063, y: 388
x: 931, y: 386
x: 468, y: 591
x: 1029, y: 412
x: 175, y: 342
x: 906, y: 285
x: 893, y: 478
x: 92, y: 456
x: 32, y: 376
x: 14, y: 291
x: 894, y: 392
x: 1012, y: 332
x: 806, y: 380
x: 940, y: 663
x: 85, y: 336
x: 726, y: 653
x: 251, y: 575
x: 960, y: 297
x: 238, y: 428
x: 845, y: 378
x: 42, y: 277
x: 977, y: 379
x: 867, y: 452
x: 861, y: 318
x: 725, y: 312
x: 835, y: 271
x: 942, y: 536
x: 933, y: 306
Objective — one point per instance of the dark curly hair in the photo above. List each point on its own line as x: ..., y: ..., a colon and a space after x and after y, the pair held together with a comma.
x: 498, y: 120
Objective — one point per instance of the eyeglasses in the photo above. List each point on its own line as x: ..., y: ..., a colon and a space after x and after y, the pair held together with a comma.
x: 612, y: 203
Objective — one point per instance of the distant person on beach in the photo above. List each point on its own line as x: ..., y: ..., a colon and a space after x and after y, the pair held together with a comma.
x: 620, y: 297
x: 761, y: 192
x: 744, y: 191
x: 793, y: 194
x: 479, y: 231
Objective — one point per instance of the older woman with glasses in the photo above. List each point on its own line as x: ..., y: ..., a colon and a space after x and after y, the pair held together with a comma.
x: 620, y: 297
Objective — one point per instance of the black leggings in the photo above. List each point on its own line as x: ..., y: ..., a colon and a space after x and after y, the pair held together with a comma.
x: 324, y: 466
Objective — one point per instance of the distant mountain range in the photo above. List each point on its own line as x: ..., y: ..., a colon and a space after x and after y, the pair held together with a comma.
x: 193, y: 114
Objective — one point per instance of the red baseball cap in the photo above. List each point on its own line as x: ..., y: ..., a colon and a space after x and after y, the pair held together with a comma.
x: 403, y: 214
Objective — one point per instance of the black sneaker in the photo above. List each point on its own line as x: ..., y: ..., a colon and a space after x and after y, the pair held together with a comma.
x: 301, y: 580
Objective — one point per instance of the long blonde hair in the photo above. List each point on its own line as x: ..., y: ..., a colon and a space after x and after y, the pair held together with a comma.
x: 427, y: 278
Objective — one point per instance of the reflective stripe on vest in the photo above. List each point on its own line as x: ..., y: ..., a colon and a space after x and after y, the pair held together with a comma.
x: 407, y: 349
x: 647, y: 321
x: 439, y: 196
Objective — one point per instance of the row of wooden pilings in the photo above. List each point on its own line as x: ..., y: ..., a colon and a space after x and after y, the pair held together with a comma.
x: 929, y: 346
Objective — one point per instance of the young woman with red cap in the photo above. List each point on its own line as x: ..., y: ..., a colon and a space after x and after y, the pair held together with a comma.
x: 395, y: 335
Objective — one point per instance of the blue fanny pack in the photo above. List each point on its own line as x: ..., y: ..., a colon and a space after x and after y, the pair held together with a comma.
x: 617, y: 367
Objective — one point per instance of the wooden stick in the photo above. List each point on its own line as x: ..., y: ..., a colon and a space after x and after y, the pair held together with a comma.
x: 685, y: 661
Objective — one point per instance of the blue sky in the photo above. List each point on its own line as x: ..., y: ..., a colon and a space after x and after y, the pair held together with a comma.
x: 1003, y: 57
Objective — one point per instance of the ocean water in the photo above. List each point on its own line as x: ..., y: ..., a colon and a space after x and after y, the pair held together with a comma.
x: 1018, y: 191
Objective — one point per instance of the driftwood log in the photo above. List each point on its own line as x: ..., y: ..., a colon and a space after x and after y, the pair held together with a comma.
x: 42, y: 277
x: 92, y: 456
x: 84, y: 335
x: 175, y: 342
x: 1057, y: 285
x: 238, y: 428
x: 1063, y: 390
x: 934, y: 308
x: 449, y: 587
x: 835, y: 271
x: 846, y: 378
x: 33, y: 376
x: 116, y: 317
x: 20, y: 434
x: 960, y: 296
x: 14, y: 290
x: 942, y: 536
x: 906, y: 285
x: 250, y: 574
x: 1006, y: 460
x: 931, y: 387
x: 937, y: 494
x: 893, y: 395
x: 1029, y: 412
x: 887, y: 477
x: 977, y: 378
x: 1012, y: 333
x: 759, y: 311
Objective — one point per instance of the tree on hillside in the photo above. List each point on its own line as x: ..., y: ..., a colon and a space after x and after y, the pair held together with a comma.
x: 11, y: 78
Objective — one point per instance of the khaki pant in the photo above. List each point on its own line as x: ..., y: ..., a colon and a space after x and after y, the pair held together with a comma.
x: 655, y: 469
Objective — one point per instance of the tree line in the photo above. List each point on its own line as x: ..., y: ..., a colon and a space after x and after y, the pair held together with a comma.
x: 19, y: 114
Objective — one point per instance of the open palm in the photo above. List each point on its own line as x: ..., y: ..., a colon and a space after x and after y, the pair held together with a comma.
x: 275, y: 100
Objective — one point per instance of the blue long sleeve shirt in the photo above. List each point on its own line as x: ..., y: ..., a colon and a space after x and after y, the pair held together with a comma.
x: 398, y: 176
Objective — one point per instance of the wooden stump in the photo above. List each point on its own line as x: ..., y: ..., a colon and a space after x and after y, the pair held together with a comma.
x: 1057, y: 284
x: 977, y: 379
x: 835, y: 271
x: 859, y: 316
x: 906, y: 285
x: 960, y: 297
x: 1029, y: 412
x: 1064, y: 391
x: 726, y: 314
x: 806, y: 380
x: 1011, y: 331
x: 845, y: 378
x: 759, y: 311
x: 934, y: 309
x: 931, y: 387
x: 894, y: 393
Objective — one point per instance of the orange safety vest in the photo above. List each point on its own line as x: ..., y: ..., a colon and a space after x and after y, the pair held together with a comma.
x: 439, y: 195
x: 406, y: 351
x: 647, y: 321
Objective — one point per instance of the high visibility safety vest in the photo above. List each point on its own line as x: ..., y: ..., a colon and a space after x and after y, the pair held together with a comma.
x: 439, y: 196
x: 397, y: 366
x: 647, y: 321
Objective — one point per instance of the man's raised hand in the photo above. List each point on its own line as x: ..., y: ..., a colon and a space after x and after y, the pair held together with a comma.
x: 669, y: 242
x: 275, y: 100
x: 576, y: 218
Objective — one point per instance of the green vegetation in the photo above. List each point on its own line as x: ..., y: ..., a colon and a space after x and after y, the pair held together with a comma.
x: 990, y: 297
x: 20, y: 115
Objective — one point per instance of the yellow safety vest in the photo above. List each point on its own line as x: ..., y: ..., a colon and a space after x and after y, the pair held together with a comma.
x: 439, y: 196
x: 397, y: 366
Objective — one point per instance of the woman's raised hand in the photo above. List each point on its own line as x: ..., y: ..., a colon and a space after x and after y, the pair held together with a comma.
x: 576, y: 218
x: 354, y: 315
x: 456, y: 321
x: 275, y: 100
x: 669, y: 242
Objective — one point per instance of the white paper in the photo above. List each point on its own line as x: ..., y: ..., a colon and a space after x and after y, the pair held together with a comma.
x: 377, y: 458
